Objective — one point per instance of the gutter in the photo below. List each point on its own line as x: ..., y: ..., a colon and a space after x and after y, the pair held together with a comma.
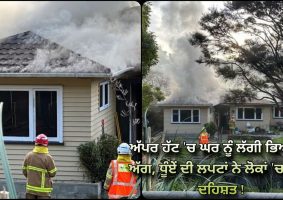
x: 197, y: 195
x: 121, y: 72
x: 50, y: 75
x: 184, y: 105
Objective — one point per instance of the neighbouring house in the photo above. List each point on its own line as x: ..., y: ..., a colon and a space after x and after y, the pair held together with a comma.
x: 185, y: 117
x: 49, y: 89
x: 260, y: 114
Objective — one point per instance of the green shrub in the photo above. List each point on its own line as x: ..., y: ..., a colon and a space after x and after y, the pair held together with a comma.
x: 210, y: 128
x: 96, y: 156
x: 275, y: 130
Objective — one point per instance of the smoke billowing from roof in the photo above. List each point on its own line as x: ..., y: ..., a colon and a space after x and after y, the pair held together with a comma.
x: 172, y: 23
x: 106, y: 32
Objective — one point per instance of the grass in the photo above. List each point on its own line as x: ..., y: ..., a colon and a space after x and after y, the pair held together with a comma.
x: 278, y: 140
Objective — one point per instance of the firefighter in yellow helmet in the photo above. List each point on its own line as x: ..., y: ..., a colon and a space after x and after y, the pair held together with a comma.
x: 120, y: 182
x: 203, y: 137
x: 39, y: 168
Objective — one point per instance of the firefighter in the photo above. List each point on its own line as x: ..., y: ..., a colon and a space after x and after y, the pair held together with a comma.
x: 39, y: 168
x: 120, y: 182
x: 203, y: 137
x: 232, y: 125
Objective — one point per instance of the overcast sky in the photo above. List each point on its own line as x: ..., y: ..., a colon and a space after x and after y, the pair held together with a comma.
x: 107, y: 32
x: 172, y: 23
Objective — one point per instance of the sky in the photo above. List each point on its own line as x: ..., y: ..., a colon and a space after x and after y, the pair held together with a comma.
x: 106, y: 32
x: 172, y: 23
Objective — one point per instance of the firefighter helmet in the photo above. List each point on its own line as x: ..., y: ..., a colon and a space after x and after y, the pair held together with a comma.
x: 41, y: 139
x: 124, y: 148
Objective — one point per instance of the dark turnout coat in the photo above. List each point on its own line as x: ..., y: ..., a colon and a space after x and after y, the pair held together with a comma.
x: 39, y: 168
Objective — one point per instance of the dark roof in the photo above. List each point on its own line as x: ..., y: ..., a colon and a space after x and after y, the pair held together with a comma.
x: 28, y: 52
x: 129, y: 72
x: 185, y: 102
x: 253, y: 102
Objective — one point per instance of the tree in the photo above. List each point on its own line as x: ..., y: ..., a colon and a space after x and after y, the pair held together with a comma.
x: 256, y: 63
x: 150, y: 92
x: 149, y: 45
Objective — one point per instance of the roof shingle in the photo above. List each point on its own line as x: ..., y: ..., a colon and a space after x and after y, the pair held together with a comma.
x: 28, y: 52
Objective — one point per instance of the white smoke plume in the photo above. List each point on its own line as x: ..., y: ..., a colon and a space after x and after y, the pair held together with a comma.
x: 106, y: 32
x: 189, y: 82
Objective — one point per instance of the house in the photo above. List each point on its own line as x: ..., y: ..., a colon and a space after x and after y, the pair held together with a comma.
x: 259, y: 114
x: 49, y: 89
x: 185, y: 116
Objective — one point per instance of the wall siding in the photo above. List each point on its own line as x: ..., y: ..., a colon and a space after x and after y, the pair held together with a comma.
x: 106, y: 114
x: 77, y: 126
x: 185, y: 128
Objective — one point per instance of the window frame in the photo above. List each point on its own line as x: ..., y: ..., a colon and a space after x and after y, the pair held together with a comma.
x: 32, y: 111
x: 244, y: 116
x: 104, y: 106
x: 179, y: 116
x: 279, y: 112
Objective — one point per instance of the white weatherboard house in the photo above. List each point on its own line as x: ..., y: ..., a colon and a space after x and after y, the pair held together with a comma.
x: 185, y: 117
x: 260, y: 114
x: 49, y: 89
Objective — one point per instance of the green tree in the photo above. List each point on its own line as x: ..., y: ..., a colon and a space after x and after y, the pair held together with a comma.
x: 150, y: 92
x: 149, y: 45
x: 256, y: 64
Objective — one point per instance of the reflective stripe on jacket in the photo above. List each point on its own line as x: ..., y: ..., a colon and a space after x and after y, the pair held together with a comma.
x: 203, y: 139
x: 39, y: 168
x: 123, y: 182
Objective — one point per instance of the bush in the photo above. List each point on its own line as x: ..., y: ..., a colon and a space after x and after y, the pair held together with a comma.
x: 210, y: 128
x: 96, y: 156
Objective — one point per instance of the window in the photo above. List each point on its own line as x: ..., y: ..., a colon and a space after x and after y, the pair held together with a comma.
x: 185, y: 116
x: 249, y: 113
x: 175, y: 115
x: 46, y: 113
x: 29, y: 111
x: 196, y: 116
x: 240, y: 113
x: 104, y: 95
x: 15, y: 113
x: 278, y: 112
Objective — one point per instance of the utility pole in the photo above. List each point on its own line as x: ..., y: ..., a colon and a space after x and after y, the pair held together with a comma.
x: 147, y: 139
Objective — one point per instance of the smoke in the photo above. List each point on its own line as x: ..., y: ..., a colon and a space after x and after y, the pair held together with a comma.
x: 188, y: 80
x: 106, y: 32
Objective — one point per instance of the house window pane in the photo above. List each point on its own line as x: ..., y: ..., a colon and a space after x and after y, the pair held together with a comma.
x: 258, y: 113
x: 240, y: 113
x: 106, y: 94
x: 104, y: 97
x: 186, y: 115
x: 101, y: 96
x: 46, y: 113
x: 276, y: 112
x: 249, y: 113
x: 15, y: 113
x: 196, y: 115
x: 175, y: 116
